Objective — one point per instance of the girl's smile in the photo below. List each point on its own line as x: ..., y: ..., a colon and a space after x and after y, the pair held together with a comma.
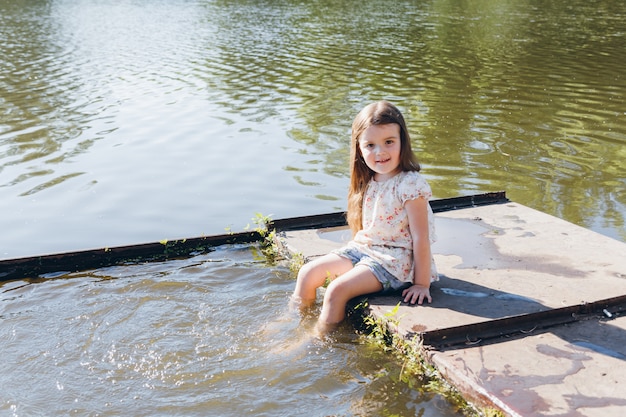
x: 380, y: 147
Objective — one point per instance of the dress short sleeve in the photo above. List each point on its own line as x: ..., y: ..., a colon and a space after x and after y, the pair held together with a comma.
x: 413, y: 186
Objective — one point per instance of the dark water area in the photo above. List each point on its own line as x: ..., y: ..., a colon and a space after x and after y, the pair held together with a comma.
x: 132, y: 121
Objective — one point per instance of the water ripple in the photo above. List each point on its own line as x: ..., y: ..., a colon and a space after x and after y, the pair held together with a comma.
x: 108, y: 95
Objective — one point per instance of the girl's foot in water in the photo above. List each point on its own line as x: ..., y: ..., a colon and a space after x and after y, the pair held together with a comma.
x: 323, y: 330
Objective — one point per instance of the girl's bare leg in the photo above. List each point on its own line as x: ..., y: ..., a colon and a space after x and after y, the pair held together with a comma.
x: 357, y: 281
x: 313, y: 275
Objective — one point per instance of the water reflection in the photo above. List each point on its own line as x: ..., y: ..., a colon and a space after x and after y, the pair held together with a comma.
x: 37, y: 115
x: 496, y: 92
x: 219, y: 110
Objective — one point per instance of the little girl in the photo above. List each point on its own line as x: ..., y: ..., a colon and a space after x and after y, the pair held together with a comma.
x: 390, y: 218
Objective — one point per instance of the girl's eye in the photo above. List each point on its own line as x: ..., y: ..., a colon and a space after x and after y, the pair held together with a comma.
x: 389, y: 142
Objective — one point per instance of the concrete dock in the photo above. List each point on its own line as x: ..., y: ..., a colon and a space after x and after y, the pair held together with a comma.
x: 529, y: 315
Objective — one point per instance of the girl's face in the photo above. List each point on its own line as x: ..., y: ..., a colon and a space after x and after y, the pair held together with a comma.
x: 380, y: 146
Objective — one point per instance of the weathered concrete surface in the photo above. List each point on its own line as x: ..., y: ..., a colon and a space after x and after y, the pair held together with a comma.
x: 571, y: 370
x: 512, y: 271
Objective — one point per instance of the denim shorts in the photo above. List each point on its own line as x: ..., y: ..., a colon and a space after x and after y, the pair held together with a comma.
x: 388, y: 281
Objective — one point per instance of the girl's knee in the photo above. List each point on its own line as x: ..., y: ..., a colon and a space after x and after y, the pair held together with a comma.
x: 307, y: 275
x: 335, y: 292
x: 306, y: 270
x: 317, y: 271
x: 310, y: 278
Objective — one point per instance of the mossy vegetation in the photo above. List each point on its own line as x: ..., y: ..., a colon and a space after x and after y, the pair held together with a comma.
x: 414, y: 371
x: 295, y: 263
x: 270, y: 247
x: 267, y: 243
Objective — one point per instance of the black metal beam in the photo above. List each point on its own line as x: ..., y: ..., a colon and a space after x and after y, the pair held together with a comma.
x: 34, y: 266
x: 321, y: 221
x: 520, y: 325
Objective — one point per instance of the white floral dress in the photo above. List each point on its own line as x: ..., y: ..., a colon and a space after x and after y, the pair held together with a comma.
x: 385, y: 236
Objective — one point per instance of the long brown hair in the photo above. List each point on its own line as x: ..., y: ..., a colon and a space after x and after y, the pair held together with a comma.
x: 379, y: 113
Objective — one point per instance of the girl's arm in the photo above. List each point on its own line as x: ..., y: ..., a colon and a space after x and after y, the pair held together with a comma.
x: 417, y: 211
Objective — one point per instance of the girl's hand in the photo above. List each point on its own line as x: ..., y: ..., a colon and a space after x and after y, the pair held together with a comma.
x: 416, y: 293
